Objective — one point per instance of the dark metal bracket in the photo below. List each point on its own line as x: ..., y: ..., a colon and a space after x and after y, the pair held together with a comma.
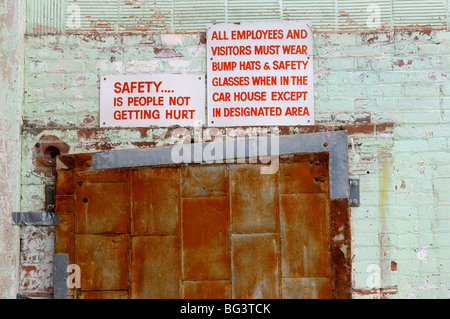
x: 47, y: 218
x: 354, y: 193
x: 60, y: 264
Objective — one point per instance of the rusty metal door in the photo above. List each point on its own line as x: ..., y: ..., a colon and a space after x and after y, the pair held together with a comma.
x: 199, y: 231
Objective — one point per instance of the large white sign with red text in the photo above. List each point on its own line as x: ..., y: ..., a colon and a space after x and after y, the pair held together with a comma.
x: 152, y: 100
x: 260, y: 74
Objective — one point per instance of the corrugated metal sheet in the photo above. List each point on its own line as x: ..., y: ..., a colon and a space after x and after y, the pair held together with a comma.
x: 353, y: 15
x: 193, y: 15
x: 45, y: 16
x: 57, y: 16
x: 322, y: 12
x: 244, y: 10
x: 95, y: 15
x: 428, y: 12
x: 156, y: 15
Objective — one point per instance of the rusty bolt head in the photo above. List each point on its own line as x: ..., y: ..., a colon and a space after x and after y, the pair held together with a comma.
x: 88, y: 163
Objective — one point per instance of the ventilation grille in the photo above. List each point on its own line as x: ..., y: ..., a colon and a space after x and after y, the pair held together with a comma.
x: 67, y: 16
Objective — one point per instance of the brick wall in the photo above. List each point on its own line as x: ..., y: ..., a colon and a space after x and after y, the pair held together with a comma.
x: 388, y: 90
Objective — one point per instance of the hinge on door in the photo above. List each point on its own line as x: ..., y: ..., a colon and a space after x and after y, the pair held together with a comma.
x: 47, y: 218
x: 354, y: 192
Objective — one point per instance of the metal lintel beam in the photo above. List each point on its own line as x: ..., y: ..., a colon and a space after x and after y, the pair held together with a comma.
x: 333, y: 142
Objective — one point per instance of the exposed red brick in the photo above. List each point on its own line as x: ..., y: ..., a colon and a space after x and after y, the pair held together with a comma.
x: 360, y: 129
x: 393, y: 266
x: 28, y: 269
x: 384, y: 128
x: 143, y: 131
x: 44, y: 153
x: 90, y: 133
x: 144, y: 144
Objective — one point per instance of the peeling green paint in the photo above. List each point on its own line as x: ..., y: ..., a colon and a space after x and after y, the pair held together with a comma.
x: 11, y: 68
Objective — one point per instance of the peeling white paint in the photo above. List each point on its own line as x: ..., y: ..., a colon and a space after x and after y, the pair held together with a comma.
x: 422, y: 254
x: 427, y: 286
x: 343, y: 248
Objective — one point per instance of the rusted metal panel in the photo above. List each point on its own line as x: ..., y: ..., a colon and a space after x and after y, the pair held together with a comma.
x: 155, y: 201
x: 211, y: 196
x: 205, y: 238
x: 306, y: 288
x: 65, y: 184
x: 341, y: 248
x: 304, y: 236
x: 103, y: 260
x: 304, y: 174
x: 340, y: 220
x: 102, y: 202
x: 76, y: 162
x: 255, y: 266
x: 217, y: 289
x: 64, y: 204
x: 205, y: 181
x: 112, y: 294
x: 64, y: 236
x: 155, y: 269
x: 341, y: 270
x: 254, y: 200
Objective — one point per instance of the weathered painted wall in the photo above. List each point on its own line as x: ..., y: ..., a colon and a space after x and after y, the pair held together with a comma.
x: 390, y: 90
x: 11, y: 68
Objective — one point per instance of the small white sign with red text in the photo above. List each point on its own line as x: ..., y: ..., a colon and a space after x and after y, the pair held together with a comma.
x: 152, y: 100
x: 260, y: 73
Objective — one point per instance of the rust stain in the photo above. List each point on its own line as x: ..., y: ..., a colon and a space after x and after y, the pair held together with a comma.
x: 255, y: 266
x: 307, y: 288
x: 211, y: 180
x: 103, y: 260
x: 304, y: 253
x: 155, y: 267
x: 312, y: 168
x: 254, y: 199
x: 205, y: 239
x: 105, y: 294
x: 217, y: 289
x: 155, y: 201
x: 98, y: 193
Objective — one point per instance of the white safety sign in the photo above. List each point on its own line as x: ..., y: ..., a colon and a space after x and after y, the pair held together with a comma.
x: 260, y: 74
x: 152, y: 100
